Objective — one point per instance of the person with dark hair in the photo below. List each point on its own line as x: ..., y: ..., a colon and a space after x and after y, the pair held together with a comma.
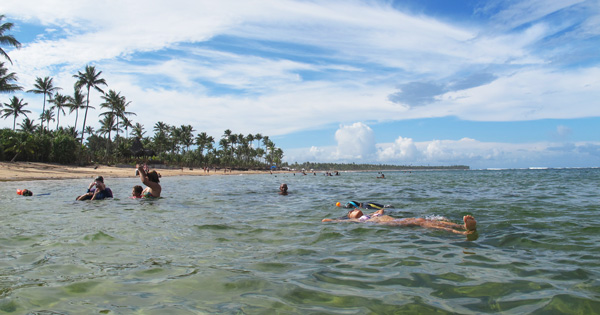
x: 283, y: 188
x: 152, y: 182
x: 24, y: 192
x: 137, y: 192
x: 97, y: 190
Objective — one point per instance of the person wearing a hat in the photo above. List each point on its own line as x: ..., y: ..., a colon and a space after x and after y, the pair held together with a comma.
x: 97, y: 190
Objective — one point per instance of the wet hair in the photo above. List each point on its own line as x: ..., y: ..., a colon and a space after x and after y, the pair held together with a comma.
x: 27, y: 192
x: 153, y: 176
x: 138, y: 189
x: 100, y: 179
x: 283, y: 187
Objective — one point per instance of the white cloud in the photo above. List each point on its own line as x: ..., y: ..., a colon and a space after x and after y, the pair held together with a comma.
x: 466, y: 151
x: 355, y: 142
x: 402, y: 150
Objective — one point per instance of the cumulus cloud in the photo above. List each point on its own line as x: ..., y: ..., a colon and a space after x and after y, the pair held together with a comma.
x: 401, y: 151
x: 466, y: 151
x: 356, y: 141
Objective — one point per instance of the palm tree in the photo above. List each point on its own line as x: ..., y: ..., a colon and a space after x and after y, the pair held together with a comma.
x: 7, y: 39
x: 19, y: 144
x: 175, y: 137
x: 48, y: 116
x: 90, y: 79
x: 7, y: 79
x: 75, y: 103
x: 28, y: 125
x: 90, y: 130
x: 187, y: 136
x: 44, y: 86
x: 117, y: 106
x: 202, y: 140
x: 126, y: 123
x: 258, y: 137
x: 160, y: 136
x: 14, y: 108
x: 107, y: 125
x: 138, y: 130
x: 60, y: 102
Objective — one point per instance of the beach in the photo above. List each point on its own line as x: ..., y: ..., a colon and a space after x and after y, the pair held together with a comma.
x: 21, y: 171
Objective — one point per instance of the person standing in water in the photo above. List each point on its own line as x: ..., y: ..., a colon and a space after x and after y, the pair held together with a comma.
x: 152, y: 182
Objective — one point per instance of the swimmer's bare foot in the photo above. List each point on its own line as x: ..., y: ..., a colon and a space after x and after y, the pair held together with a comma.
x: 326, y: 220
x: 470, y: 223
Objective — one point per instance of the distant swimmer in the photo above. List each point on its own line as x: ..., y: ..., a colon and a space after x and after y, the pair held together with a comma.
x: 382, y: 176
x: 468, y: 228
x: 24, y: 192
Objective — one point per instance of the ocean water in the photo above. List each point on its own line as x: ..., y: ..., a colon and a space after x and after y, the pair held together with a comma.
x: 233, y: 245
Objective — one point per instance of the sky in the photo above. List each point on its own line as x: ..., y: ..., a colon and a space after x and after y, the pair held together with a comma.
x: 487, y: 84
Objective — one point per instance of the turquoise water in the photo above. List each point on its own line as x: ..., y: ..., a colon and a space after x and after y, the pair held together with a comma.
x: 232, y: 245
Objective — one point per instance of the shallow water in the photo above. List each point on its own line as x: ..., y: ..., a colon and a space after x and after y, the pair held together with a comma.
x: 231, y: 244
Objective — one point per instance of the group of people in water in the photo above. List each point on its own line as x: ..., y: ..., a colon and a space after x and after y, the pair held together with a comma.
x: 97, y: 190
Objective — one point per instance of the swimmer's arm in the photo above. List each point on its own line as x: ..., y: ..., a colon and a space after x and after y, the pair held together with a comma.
x: 95, y: 193
x: 145, y: 180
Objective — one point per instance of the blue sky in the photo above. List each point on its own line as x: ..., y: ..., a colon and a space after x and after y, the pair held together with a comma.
x: 489, y: 84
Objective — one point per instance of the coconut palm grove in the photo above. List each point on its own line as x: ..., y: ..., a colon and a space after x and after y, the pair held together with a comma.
x: 119, y: 139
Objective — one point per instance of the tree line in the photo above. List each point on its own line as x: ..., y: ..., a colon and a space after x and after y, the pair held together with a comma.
x: 174, y: 145
x: 367, y: 167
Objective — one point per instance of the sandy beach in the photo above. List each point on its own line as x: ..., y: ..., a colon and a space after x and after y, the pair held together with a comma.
x: 22, y: 171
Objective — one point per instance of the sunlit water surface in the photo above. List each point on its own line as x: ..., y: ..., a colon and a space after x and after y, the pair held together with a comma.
x: 232, y: 245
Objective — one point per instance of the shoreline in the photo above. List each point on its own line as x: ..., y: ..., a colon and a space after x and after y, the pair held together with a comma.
x: 28, y: 171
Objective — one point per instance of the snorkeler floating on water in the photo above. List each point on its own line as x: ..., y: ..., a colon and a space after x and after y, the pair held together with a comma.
x: 363, y: 205
x: 469, y: 226
x: 24, y: 192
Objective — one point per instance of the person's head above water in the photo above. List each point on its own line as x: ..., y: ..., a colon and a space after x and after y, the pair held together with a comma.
x: 24, y: 192
x: 137, y: 191
x: 99, y: 179
x: 355, y: 214
x: 283, y: 187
